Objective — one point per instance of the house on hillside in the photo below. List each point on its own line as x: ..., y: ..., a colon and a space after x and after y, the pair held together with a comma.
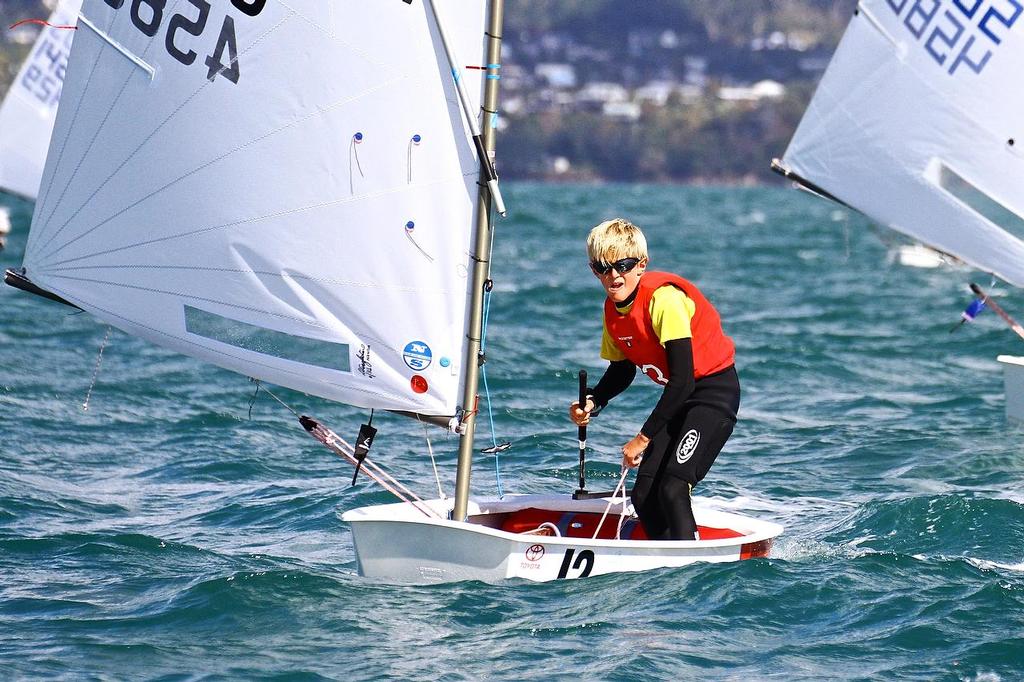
x: 556, y: 75
x: 766, y: 89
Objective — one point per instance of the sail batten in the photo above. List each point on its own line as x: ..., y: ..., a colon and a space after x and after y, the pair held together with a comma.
x: 294, y: 203
x: 909, y: 92
x: 148, y: 68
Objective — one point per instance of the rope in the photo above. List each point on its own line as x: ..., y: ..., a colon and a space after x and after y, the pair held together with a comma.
x: 409, y: 227
x: 487, y: 391
x: 271, y: 394
x: 41, y: 22
x: 552, y: 527
x: 433, y: 461
x: 414, y: 141
x: 611, y: 501
x: 353, y: 153
x: 96, y: 370
x: 255, y: 395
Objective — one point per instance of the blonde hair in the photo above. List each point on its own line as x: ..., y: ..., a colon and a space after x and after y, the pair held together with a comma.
x: 615, y: 239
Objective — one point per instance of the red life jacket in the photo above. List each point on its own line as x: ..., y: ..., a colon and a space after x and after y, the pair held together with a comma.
x: 634, y: 334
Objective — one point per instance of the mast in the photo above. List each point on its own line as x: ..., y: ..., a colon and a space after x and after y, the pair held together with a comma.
x: 481, y: 264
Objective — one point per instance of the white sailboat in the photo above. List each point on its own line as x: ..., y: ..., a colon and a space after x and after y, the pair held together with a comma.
x: 301, y: 194
x: 30, y: 106
x: 918, y: 255
x: 29, y: 109
x: 915, y: 124
x: 5, y: 225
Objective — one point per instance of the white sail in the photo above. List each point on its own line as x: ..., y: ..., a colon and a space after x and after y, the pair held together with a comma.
x: 30, y: 105
x: 918, y: 123
x: 301, y: 215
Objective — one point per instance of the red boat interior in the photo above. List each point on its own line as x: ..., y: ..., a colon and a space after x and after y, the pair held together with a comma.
x: 535, y: 521
x: 583, y: 525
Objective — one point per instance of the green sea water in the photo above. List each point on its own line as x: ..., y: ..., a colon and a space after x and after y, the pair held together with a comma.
x: 176, y: 529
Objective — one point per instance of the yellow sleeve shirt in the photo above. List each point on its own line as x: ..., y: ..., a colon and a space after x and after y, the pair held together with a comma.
x: 671, y: 312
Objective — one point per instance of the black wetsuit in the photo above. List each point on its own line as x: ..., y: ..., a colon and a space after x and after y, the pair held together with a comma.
x: 688, y: 427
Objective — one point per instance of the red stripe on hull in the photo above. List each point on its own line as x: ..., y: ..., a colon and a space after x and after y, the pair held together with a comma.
x: 755, y: 550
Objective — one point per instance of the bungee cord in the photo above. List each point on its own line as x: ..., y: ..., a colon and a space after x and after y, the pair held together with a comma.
x: 433, y: 460
x: 622, y: 515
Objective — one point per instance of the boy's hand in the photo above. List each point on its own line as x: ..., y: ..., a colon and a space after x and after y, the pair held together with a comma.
x: 633, y: 451
x: 578, y: 416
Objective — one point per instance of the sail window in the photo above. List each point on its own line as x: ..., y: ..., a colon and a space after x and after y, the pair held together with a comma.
x: 267, y: 341
x: 976, y: 199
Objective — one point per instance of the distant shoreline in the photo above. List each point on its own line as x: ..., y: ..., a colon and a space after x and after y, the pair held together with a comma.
x: 748, y: 180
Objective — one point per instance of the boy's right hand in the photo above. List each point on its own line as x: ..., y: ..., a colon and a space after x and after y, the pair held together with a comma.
x: 578, y: 416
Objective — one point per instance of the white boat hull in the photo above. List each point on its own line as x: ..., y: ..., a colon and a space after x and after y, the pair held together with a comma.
x: 1013, y: 381
x: 5, y: 225
x: 398, y: 543
x: 921, y: 256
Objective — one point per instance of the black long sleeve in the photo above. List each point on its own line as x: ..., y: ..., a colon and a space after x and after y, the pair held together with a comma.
x: 680, y: 386
x: 617, y: 378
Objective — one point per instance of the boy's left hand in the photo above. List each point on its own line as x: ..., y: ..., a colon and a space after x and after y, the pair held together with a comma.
x: 633, y: 451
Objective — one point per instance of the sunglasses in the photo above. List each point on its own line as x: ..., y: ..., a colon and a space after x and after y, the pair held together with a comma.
x: 622, y: 266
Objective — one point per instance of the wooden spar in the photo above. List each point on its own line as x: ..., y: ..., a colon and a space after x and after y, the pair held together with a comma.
x: 481, y: 262
x: 19, y: 280
x: 804, y: 183
x: 987, y: 300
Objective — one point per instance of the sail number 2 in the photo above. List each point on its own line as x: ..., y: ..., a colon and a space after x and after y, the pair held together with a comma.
x: 148, y: 17
x: 584, y: 561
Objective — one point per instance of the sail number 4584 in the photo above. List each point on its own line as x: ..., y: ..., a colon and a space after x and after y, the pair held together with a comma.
x: 148, y: 17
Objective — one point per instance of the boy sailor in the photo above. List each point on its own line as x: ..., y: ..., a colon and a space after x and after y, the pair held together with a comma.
x: 664, y: 325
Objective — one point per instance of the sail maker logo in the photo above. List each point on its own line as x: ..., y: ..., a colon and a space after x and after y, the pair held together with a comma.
x: 958, y: 33
x: 365, y: 366
x: 417, y: 355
